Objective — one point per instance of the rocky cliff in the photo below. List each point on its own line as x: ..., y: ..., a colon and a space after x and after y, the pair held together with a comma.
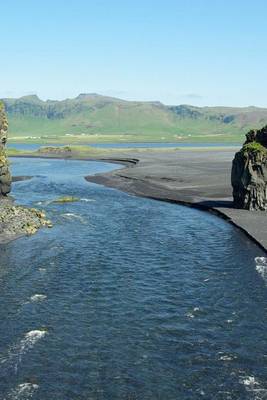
x: 249, y: 172
x: 15, y: 220
x: 5, y: 176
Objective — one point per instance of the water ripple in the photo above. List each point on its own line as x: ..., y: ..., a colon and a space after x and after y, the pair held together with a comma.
x: 145, y: 300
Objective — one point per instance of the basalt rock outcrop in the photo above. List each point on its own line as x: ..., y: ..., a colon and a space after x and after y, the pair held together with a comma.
x: 15, y: 221
x: 249, y: 172
x: 5, y: 176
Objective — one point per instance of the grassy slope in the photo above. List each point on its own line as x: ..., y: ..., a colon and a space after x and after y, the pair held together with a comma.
x: 94, y: 118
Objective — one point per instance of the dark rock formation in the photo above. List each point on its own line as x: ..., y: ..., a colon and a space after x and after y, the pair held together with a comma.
x: 249, y: 172
x: 5, y: 176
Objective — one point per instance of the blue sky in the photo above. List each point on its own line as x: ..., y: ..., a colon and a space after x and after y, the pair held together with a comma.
x: 198, y: 52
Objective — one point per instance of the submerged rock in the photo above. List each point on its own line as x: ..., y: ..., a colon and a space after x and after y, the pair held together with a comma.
x: 66, y: 199
x: 249, y: 172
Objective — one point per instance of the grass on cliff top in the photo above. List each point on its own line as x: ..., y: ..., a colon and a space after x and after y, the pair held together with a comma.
x: 254, y: 147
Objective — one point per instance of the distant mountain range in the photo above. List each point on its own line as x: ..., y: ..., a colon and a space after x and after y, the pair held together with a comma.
x: 93, y: 115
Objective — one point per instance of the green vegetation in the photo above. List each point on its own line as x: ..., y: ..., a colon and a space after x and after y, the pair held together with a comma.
x: 87, y: 152
x: 66, y: 199
x: 14, y: 152
x: 81, y: 152
x: 93, y: 118
x: 253, y: 147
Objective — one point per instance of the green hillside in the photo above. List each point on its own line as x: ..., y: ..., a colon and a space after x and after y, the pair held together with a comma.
x: 91, y: 118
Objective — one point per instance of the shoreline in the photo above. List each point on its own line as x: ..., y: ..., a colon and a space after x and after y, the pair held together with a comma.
x: 163, y: 177
x: 102, y: 180
x: 250, y: 223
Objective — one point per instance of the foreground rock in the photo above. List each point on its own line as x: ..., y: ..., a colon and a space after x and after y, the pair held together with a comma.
x: 249, y: 172
x: 16, y: 221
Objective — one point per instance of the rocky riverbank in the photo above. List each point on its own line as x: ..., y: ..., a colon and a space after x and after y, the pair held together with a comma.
x: 16, y: 221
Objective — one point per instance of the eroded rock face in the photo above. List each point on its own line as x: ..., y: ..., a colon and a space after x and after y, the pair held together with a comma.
x: 15, y: 221
x: 249, y: 172
x: 5, y: 176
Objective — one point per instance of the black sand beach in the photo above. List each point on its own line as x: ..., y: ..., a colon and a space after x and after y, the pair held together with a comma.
x: 195, y: 178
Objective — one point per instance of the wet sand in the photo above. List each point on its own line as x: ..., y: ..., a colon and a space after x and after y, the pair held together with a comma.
x: 195, y: 178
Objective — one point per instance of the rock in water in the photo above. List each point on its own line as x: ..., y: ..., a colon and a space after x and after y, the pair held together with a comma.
x: 249, y: 172
x: 5, y: 176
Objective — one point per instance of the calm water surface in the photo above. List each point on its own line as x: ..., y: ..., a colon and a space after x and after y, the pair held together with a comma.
x: 128, y: 298
x: 35, y: 146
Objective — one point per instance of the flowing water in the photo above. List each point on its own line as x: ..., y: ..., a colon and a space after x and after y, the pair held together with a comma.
x: 128, y: 298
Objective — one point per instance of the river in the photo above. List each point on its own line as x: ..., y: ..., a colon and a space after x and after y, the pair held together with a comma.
x: 127, y: 298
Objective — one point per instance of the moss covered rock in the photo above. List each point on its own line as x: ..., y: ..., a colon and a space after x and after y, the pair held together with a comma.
x: 66, y: 199
x: 249, y: 172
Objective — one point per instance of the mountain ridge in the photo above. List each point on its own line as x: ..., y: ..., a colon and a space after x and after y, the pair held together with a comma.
x: 90, y: 113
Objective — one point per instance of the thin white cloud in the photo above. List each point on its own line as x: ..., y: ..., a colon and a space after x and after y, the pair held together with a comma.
x: 191, y: 96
